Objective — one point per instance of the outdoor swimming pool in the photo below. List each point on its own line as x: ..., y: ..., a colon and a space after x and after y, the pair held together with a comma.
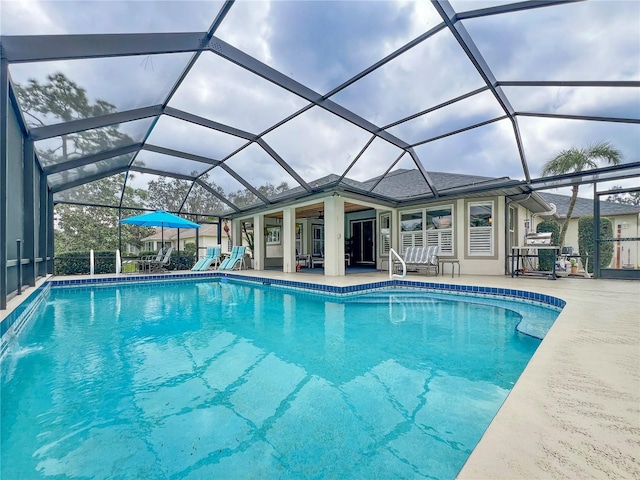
x: 216, y: 379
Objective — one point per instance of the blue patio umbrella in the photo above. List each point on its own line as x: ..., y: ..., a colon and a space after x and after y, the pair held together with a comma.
x: 160, y: 218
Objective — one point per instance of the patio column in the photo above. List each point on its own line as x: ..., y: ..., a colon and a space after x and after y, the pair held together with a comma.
x: 236, y: 232
x: 395, y: 231
x: 288, y: 239
x: 258, y: 242
x: 334, y: 236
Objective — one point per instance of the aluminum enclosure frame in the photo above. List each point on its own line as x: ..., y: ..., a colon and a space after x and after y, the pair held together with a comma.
x: 36, y: 208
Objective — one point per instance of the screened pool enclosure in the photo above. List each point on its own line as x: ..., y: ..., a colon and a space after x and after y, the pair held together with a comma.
x: 219, y: 109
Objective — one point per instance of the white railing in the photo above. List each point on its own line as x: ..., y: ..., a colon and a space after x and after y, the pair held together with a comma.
x: 393, y: 253
x: 91, y: 263
x: 118, y: 261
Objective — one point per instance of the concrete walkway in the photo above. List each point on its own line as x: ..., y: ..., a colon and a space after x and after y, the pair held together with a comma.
x: 575, y: 411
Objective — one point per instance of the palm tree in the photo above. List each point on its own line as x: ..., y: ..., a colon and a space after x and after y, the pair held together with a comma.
x: 578, y: 160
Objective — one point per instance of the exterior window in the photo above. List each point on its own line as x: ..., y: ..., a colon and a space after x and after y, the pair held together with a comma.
x: 440, y: 229
x: 411, y: 233
x: 318, y: 241
x: 411, y: 222
x: 513, y: 221
x: 273, y: 235
x: 299, y: 239
x: 431, y: 226
x: 385, y: 234
x: 481, y: 229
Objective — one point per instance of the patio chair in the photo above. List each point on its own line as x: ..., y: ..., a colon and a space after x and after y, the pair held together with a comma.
x: 158, y: 266
x: 418, y: 257
x: 212, y: 258
x: 137, y: 265
x: 236, y: 259
x: 303, y: 259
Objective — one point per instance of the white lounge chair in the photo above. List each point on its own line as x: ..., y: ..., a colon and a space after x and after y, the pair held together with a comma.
x: 158, y: 266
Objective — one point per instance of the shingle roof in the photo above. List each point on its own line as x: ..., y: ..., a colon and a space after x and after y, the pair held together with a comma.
x: 409, y: 184
x: 206, y: 230
x: 584, y: 206
x: 403, y: 183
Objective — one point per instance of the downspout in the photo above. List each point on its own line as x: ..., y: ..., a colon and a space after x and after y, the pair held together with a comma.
x: 546, y: 214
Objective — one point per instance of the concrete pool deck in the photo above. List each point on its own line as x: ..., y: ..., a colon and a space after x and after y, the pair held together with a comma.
x: 575, y: 411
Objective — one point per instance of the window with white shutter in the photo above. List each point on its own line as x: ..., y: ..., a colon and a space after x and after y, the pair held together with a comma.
x: 411, y: 230
x: 439, y: 223
x: 385, y: 234
x: 480, y: 229
x: 431, y: 226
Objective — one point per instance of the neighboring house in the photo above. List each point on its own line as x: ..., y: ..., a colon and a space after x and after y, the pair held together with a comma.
x: 344, y: 218
x: 129, y: 249
x: 207, y: 237
x: 624, y: 218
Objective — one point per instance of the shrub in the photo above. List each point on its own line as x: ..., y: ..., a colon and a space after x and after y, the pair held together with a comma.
x: 182, y: 260
x: 190, y: 249
x: 78, y: 263
x: 546, y: 257
x: 586, y: 245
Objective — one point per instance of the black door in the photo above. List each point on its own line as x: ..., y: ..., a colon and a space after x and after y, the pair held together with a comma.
x: 363, y: 248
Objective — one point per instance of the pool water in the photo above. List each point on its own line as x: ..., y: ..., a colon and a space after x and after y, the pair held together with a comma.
x: 222, y: 380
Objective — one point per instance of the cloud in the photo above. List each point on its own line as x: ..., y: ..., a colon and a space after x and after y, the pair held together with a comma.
x: 55, y: 17
x: 323, y: 44
x: 180, y: 135
x: 579, y: 41
x: 320, y: 44
x: 226, y: 93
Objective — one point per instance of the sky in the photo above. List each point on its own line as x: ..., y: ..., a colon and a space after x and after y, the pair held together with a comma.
x: 324, y: 44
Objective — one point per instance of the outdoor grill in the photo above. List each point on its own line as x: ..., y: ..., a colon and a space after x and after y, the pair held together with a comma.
x: 537, y: 239
x: 533, y: 243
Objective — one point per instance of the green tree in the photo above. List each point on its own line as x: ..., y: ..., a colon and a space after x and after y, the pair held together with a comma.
x: 547, y: 257
x: 586, y: 245
x: 82, y: 227
x: 61, y: 100
x: 78, y: 226
x: 245, y: 198
x: 176, y: 194
x: 578, y: 160
x: 628, y: 198
x: 169, y: 194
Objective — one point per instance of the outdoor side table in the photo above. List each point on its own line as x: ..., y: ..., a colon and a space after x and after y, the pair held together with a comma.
x: 453, y: 266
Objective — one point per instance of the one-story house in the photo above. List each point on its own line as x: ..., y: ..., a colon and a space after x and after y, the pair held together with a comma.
x: 207, y: 237
x: 342, y: 227
x: 477, y: 230
x: 624, y: 218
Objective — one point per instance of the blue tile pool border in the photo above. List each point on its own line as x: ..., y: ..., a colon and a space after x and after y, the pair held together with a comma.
x: 433, y: 286
x: 13, y: 323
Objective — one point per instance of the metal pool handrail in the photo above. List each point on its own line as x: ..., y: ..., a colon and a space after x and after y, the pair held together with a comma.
x: 392, y: 252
